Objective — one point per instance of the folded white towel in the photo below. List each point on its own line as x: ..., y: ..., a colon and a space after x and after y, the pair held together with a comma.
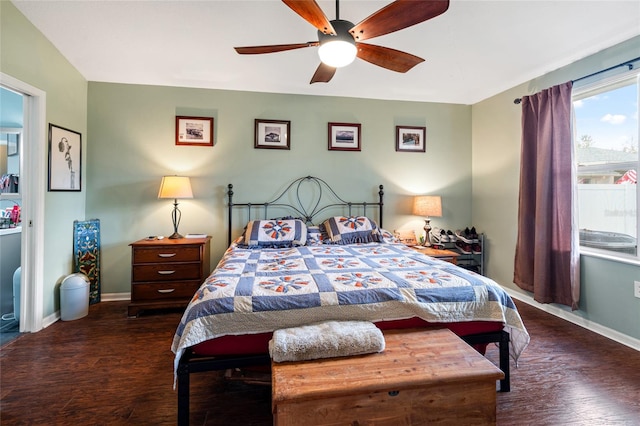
x: 325, y: 340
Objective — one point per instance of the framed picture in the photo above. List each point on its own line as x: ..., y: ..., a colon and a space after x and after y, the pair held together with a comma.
x: 344, y: 137
x: 194, y: 131
x: 410, y: 138
x: 272, y: 134
x: 65, y: 159
x: 13, y: 143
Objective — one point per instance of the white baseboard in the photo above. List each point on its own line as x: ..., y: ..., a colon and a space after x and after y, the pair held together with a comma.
x: 575, y: 319
x: 114, y: 297
x: 48, y: 320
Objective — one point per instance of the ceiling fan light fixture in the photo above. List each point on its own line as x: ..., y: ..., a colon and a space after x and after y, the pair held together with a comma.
x: 337, y: 53
x: 337, y: 50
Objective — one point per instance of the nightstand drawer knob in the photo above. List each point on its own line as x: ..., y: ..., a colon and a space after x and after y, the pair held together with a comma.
x: 169, y: 290
x: 166, y: 254
x: 166, y: 272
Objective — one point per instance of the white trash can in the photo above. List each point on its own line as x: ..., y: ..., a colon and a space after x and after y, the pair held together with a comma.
x: 74, y: 297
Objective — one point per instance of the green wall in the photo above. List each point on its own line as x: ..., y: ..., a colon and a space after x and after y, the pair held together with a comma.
x: 606, y: 286
x: 27, y: 55
x: 133, y: 146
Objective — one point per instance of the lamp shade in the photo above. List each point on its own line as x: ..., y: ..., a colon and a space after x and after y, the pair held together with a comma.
x: 175, y: 187
x: 427, y: 205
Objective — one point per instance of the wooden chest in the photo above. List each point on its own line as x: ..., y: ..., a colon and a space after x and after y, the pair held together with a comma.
x: 423, y: 376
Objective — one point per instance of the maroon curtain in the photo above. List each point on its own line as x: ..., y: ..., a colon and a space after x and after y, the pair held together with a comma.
x: 546, y: 260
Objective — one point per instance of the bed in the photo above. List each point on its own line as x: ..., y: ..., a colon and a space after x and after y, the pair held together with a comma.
x: 285, y: 271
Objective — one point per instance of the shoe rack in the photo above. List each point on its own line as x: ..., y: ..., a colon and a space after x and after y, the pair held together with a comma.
x: 474, y: 261
x: 471, y: 261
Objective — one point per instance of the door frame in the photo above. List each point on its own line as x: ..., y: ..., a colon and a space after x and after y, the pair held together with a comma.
x: 32, y: 157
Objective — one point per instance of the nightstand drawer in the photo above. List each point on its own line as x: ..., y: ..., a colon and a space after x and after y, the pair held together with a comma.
x: 166, y: 254
x: 169, y: 290
x: 167, y: 272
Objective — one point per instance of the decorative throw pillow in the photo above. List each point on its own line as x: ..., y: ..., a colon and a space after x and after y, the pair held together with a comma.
x: 275, y: 233
x: 315, y: 236
x: 388, y: 237
x: 351, y: 229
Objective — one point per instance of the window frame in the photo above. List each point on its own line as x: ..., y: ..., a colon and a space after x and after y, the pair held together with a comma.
x: 583, y: 91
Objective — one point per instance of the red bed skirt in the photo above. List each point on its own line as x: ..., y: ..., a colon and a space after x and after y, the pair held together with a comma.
x: 251, y: 344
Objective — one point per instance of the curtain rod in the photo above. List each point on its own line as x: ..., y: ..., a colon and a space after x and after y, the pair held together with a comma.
x: 628, y: 64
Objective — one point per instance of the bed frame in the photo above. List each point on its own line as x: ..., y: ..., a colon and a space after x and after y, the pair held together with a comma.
x: 295, y: 200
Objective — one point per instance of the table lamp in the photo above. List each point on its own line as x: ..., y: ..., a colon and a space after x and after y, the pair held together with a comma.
x: 426, y: 206
x: 175, y: 187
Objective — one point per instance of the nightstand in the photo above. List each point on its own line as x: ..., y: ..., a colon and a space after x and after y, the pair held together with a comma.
x: 166, y: 273
x: 446, y: 255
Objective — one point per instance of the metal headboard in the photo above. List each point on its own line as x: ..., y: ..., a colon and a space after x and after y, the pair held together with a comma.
x: 297, y: 207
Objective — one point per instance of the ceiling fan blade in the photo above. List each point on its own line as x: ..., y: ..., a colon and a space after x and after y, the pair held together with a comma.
x: 324, y: 73
x: 384, y: 57
x: 398, y: 15
x: 255, y: 50
x: 311, y: 12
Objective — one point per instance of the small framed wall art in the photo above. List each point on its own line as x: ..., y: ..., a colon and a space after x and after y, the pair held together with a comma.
x: 344, y: 137
x: 65, y: 159
x: 272, y: 134
x: 194, y: 131
x: 410, y: 138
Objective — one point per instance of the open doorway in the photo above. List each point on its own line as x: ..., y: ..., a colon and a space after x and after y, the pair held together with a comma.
x: 32, y: 202
x: 11, y: 144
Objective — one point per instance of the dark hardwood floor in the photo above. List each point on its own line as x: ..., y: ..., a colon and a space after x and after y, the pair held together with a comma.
x: 107, y: 369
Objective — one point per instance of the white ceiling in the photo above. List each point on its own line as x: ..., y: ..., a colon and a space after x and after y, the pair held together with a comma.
x: 476, y: 49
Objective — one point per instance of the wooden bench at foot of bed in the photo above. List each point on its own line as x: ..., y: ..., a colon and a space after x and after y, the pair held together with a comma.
x: 422, y: 376
x: 192, y: 363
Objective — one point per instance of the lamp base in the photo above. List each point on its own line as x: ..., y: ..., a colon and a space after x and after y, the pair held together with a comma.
x: 427, y: 228
x: 175, y: 218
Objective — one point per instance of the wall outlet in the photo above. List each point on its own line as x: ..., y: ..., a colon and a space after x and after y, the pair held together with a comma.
x: 636, y: 289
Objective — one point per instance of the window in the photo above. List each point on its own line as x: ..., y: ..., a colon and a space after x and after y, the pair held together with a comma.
x: 606, y: 134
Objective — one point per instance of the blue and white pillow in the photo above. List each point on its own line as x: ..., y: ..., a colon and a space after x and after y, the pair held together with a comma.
x: 315, y: 236
x: 351, y: 229
x: 388, y: 237
x: 275, y: 233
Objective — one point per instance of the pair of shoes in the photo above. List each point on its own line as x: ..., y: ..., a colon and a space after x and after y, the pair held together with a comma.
x: 465, y: 248
x: 438, y: 236
x: 469, y: 236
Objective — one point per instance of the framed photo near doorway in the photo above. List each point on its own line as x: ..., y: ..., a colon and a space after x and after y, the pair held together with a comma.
x: 65, y: 159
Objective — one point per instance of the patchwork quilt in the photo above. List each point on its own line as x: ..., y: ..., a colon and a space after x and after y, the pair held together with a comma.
x: 262, y: 290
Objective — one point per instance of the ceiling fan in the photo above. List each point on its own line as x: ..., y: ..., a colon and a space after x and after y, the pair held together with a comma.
x: 340, y: 41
